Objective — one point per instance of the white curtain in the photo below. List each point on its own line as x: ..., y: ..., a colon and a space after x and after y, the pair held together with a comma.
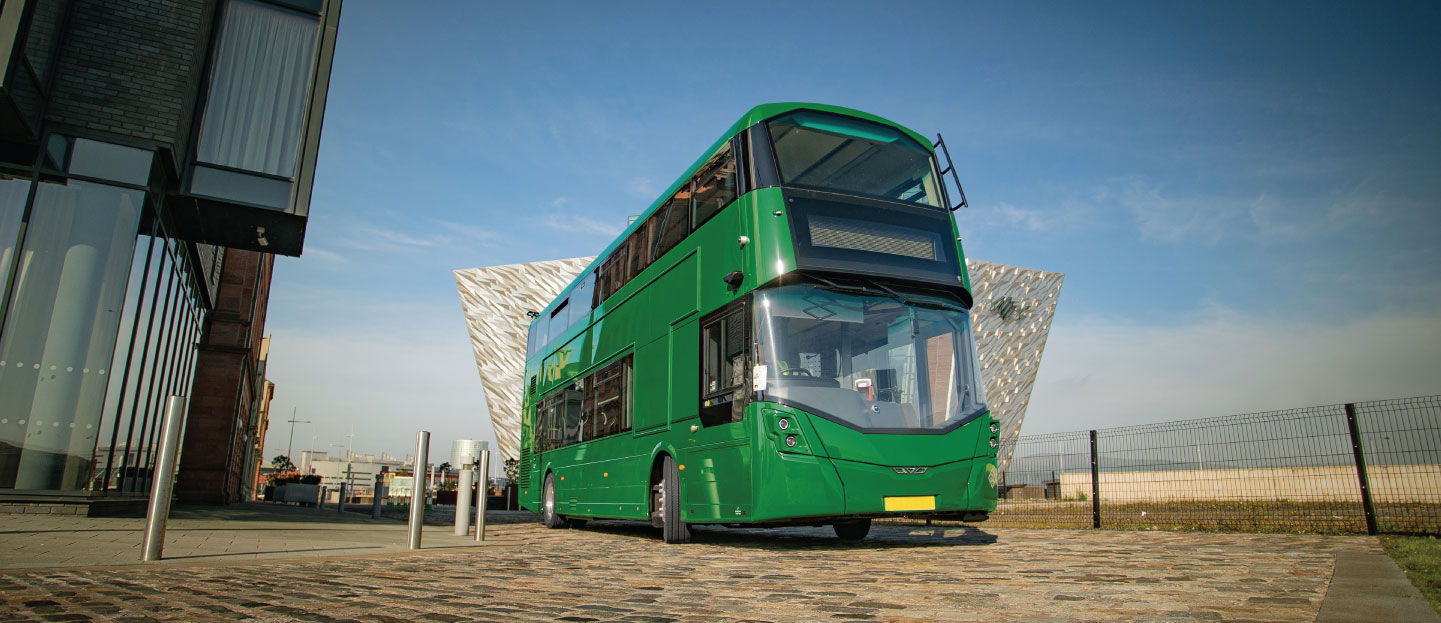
x: 258, y: 89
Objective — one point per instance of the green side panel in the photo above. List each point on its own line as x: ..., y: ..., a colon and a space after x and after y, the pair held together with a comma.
x: 719, y: 251
x: 652, y: 372
x: 868, y: 485
x: 772, y: 249
x: 673, y: 295
x: 684, y: 383
x: 716, y: 483
x: 612, y: 484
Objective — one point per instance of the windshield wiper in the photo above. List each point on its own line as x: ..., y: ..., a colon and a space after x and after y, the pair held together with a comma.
x: 884, y: 290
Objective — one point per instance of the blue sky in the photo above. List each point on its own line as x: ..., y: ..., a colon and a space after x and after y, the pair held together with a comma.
x: 1243, y: 196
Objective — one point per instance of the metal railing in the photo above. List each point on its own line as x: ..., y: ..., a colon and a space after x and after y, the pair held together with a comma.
x: 1364, y: 467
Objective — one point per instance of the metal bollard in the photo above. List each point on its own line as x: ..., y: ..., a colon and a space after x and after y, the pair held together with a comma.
x: 377, y: 493
x: 482, y: 493
x: 462, y: 502
x: 158, y: 511
x: 419, y: 485
x: 340, y: 506
x: 320, y: 503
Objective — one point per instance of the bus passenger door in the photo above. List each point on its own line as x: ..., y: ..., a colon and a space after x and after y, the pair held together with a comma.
x: 720, y: 450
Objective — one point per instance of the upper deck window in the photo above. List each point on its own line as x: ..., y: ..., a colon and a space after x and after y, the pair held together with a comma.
x: 846, y: 155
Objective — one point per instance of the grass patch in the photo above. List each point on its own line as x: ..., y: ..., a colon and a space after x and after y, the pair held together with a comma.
x: 1420, y: 558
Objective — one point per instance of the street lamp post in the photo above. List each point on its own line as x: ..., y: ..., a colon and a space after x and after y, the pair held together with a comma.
x: 290, y: 449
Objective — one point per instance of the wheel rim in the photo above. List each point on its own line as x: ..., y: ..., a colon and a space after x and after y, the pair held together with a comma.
x: 549, y: 498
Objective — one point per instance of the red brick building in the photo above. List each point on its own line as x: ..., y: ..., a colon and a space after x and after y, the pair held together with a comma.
x: 221, y: 427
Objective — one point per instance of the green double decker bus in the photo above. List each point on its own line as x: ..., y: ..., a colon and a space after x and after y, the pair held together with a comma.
x: 783, y: 338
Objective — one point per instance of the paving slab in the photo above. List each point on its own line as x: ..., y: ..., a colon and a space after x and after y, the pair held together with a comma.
x: 252, y: 531
x: 618, y: 571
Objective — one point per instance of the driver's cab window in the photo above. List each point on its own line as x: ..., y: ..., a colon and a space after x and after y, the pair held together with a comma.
x: 725, y: 338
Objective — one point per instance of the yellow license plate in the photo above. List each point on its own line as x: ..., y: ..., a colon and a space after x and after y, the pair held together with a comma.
x: 911, y: 503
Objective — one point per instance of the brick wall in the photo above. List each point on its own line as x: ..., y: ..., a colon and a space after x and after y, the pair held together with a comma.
x: 212, y: 462
x: 131, y: 69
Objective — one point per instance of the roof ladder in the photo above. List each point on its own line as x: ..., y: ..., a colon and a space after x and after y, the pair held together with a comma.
x: 951, y: 168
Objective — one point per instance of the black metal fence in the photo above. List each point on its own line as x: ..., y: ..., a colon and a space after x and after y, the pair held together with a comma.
x: 1362, y: 467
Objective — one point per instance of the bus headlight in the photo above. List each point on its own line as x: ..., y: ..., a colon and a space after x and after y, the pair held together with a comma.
x: 994, y: 444
x: 790, y: 441
x: 785, y: 423
x: 995, y: 427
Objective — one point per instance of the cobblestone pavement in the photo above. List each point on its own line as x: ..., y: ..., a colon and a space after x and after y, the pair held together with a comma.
x: 622, y: 572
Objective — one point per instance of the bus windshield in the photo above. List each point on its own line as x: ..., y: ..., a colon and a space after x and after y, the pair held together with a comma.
x: 846, y: 155
x: 871, y: 362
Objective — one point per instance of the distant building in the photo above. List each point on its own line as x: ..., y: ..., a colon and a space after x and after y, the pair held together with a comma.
x: 357, y: 473
x: 154, y: 155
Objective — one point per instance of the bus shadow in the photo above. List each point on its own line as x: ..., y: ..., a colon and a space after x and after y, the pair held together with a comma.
x: 882, y: 536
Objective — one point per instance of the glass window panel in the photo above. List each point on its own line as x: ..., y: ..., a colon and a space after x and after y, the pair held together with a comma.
x: 642, y: 243
x: 573, y: 425
x: 234, y: 186
x: 715, y: 186
x: 559, y: 321
x: 677, y: 221
x: 60, y: 332
x: 136, y: 420
x: 537, y: 337
x: 109, y: 161
x: 13, y: 195
x: 259, y: 84
x: 590, y: 419
x: 609, y: 387
x: 580, y: 300
x: 853, y: 156
x: 127, y: 347
x: 614, y: 272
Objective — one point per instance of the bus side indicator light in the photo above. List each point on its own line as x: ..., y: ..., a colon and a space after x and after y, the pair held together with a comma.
x: 680, y: 467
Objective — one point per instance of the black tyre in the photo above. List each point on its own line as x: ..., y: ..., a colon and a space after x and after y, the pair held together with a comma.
x: 548, y: 516
x: 576, y: 523
x: 853, y: 530
x: 673, y: 530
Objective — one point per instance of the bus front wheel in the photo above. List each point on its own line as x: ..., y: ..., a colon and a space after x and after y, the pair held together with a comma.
x: 548, y: 516
x: 853, y: 530
x: 673, y: 530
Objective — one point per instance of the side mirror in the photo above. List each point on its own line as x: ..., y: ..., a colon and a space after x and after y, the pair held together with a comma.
x: 733, y: 279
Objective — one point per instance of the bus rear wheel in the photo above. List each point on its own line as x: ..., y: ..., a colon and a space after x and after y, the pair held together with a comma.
x: 853, y: 530
x: 548, y: 516
x: 673, y: 530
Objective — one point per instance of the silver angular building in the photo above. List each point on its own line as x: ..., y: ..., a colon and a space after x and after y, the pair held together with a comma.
x: 1013, y: 312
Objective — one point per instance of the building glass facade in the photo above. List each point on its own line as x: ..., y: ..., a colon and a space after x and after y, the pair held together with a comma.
x: 112, y: 248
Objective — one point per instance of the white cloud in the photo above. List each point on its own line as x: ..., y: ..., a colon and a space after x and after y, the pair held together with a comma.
x: 643, y: 186
x: 367, y: 237
x: 325, y: 256
x: 582, y: 225
x: 1101, y: 372
x: 1167, y: 219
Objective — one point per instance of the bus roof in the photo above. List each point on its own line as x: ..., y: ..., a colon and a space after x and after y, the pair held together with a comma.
x: 751, y: 117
